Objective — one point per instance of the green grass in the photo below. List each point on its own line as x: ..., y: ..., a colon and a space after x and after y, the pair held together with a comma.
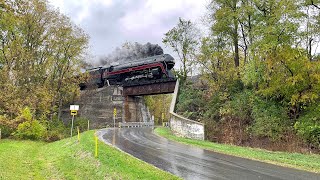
x: 68, y: 159
x: 309, y: 162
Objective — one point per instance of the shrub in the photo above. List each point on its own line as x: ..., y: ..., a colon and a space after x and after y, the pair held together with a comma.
x: 33, y: 130
x: 212, y: 108
x: 30, y: 128
x: 308, y: 126
x: 270, y: 119
x: 6, y: 127
x: 240, y: 106
x: 191, y: 101
x: 56, y: 130
x: 235, y: 87
x: 80, y: 122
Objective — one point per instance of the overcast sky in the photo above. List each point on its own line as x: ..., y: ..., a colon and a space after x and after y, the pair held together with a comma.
x: 110, y: 23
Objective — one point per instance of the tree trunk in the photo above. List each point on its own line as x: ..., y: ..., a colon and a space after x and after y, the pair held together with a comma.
x: 236, y: 44
x: 59, y: 109
x: 184, y: 67
x: 310, y: 49
x: 235, y: 36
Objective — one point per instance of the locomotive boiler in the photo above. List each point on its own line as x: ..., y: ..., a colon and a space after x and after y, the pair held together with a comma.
x: 149, y: 70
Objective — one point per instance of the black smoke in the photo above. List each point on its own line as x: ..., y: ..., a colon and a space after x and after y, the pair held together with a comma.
x: 130, y: 52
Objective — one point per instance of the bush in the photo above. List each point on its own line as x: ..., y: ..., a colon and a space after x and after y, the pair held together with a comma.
x: 190, y: 101
x: 82, y: 123
x: 212, y: 111
x: 308, y: 126
x: 56, y: 130
x: 235, y: 87
x: 270, y: 119
x: 6, y: 128
x: 33, y: 130
x: 30, y: 128
x: 240, y: 106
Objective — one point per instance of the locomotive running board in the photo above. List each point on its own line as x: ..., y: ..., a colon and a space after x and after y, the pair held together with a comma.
x: 150, y: 89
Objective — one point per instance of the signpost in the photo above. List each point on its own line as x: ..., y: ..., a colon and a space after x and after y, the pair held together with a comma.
x: 162, y: 119
x: 74, y: 111
x: 114, y: 117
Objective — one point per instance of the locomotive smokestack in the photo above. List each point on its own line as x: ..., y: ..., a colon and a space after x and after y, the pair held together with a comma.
x: 131, y: 51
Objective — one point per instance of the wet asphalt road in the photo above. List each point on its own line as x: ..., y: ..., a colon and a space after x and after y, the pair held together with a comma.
x: 194, y: 163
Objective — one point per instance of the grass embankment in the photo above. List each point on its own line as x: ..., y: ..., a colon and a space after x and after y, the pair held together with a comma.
x: 309, y: 162
x: 68, y: 159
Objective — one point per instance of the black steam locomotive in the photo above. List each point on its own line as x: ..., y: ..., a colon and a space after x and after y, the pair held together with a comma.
x: 139, y: 72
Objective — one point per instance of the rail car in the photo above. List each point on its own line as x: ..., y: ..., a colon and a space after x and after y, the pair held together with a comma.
x: 142, y: 71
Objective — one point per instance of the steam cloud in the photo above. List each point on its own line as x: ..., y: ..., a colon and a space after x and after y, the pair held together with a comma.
x: 131, y: 51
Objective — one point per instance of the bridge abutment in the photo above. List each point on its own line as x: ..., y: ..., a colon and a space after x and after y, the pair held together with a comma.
x: 97, y: 105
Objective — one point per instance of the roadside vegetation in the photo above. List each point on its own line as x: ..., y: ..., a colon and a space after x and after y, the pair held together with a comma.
x: 309, y: 162
x: 69, y: 159
x: 42, y: 53
x: 257, y: 83
x: 257, y: 73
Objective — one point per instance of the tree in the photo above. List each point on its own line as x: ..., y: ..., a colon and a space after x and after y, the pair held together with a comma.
x: 41, y: 53
x: 158, y: 105
x: 311, y: 30
x: 226, y: 23
x: 183, y: 40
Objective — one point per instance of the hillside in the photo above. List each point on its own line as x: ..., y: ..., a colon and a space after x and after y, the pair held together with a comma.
x: 68, y: 159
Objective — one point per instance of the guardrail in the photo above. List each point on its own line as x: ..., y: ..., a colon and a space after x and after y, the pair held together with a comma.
x: 182, y: 126
x: 135, y: 124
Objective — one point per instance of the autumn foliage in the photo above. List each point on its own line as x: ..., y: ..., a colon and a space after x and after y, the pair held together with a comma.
x: 259, y: 70
x: 41, y: 53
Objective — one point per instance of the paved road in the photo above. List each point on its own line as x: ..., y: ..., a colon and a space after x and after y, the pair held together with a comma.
x: 194, y: 163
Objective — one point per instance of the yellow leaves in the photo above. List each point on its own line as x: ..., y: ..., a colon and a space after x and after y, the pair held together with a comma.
x: 42, y: 52
x: 287, y: 74
x: 294, y: 99
x: 304, y: 98
x: 295, y: 80
x: 224, y: 111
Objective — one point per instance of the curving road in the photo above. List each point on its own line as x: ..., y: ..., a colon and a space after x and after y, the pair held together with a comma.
x: 193, y: 163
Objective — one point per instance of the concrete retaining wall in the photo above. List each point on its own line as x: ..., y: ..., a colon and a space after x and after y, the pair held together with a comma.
x: 182, y: 126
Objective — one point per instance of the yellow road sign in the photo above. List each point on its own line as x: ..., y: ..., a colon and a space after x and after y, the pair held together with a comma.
x: 115, y: 112
x: 74, y: 112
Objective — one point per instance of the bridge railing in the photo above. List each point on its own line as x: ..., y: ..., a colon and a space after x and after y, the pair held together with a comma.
x: 182, y: 126
x: 135, y: 124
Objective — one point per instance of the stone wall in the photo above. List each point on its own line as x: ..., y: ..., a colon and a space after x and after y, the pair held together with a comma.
x: 182, y: 126
x: 135, y: 110
x: 97, y: 105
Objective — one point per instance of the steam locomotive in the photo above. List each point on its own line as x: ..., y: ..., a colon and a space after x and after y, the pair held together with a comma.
x: 142, y: 71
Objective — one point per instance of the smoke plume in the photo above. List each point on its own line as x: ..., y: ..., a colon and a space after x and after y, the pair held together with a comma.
x: 131, y: 51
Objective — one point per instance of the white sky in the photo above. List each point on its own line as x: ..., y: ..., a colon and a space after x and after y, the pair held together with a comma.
x: 110, y: 23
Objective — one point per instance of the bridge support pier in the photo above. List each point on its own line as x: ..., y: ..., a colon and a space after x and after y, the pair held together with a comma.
x: 134, y: 110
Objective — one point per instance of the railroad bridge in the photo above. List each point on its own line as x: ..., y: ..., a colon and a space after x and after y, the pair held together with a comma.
x: 97, y: 104
x: 129, y: 82
x: 152, y: 88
